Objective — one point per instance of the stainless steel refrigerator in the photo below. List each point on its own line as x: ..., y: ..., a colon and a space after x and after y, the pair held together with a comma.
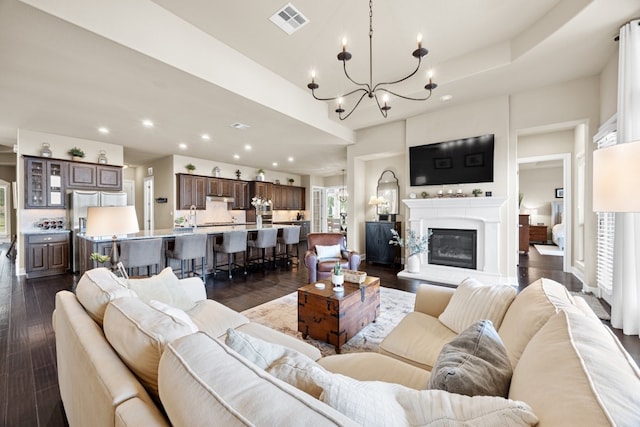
x: 79, y: 201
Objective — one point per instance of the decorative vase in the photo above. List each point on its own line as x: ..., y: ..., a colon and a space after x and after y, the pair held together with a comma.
x: 102, y: 158
x: 260, y: 177
x: 259, y: 221
x: 45, y: 151
x: 76, y: 158
x: 337, y: 280
x: 413, y: 264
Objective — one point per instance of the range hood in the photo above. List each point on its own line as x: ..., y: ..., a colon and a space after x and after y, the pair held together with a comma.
x: 220, y: 199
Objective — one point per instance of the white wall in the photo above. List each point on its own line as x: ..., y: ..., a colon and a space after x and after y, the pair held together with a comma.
x: 538, y: 187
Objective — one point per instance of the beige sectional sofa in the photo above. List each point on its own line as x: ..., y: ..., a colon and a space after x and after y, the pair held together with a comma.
x: 126, y: 361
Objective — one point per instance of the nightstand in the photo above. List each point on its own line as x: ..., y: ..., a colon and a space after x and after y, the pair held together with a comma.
x: 538, y: 233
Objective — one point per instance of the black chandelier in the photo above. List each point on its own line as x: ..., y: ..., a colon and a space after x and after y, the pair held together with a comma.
x: 369, y: 89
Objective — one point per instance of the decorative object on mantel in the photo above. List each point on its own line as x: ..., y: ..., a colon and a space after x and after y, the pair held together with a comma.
x: 216, y: 172
x: 369, y: 89
x: 76, y: 153
x: 238, y: 173
x: 476, y: 192
x: 291, y: 181
x: 45, y: 151
x: 260, y: 176
x: 424, y: 194
x: 414, y: 244
x: 337, y: 278
x: 102, y: 158
x: 190, y: 167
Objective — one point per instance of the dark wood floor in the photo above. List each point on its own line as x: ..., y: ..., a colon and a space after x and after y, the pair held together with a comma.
x: 28, y: 385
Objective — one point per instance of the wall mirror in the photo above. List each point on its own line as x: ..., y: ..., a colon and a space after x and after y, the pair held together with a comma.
x: 387, y: 193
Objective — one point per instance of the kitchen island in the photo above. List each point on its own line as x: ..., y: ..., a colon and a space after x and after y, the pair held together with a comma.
x: 102, y: 244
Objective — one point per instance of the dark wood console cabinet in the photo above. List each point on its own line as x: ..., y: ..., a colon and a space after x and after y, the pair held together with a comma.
x: 47, y: 254
x: 378, y: 249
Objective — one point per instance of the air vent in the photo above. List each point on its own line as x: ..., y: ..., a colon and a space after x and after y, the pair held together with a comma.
x: 239, y: 125
x: 289, y: 19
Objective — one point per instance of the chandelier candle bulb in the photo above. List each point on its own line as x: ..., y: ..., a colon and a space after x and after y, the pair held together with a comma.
x: 419, y: 41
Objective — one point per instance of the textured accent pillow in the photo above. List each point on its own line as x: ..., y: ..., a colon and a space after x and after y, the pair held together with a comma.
x: 176, y: 314
x: 164, y: 287
x: 282, y: 362
x: 327, y: 252
x: 96, y: 288
x: 374, y: 403
x: 475, y: 363
x: 473, y: 301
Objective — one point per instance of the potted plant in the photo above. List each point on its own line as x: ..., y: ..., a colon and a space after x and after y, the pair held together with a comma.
x: 414, y: 245
x: 191, y: 167
x: 476, y: 192
x: 260, y: 176
x: 100, y: 259
x: 76, y: 153
x: 337, y: 277
x: 291, y: 181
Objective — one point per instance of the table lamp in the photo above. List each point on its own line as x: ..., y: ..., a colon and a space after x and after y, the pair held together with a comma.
x: 111, y: 221
x: 375, y: 201
x: 616, y: 174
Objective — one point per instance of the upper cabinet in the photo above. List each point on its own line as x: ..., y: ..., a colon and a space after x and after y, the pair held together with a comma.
x: 288, y: 197
x: 94, y: 176
x: 220, y: 187
x: 44, y: 183
x: 192, y: 191
x: 240, y: 197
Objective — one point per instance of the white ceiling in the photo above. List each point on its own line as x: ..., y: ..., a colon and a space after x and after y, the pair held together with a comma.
x: 114, y: 62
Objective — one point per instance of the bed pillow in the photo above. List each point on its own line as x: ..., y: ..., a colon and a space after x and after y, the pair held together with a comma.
x: 473, y: 301
x: 328, y: 252
x: 475, y: 363
x: 164, y: 287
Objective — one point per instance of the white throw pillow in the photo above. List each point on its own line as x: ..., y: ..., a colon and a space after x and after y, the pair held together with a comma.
x: 473, y: 301
x: 175, y: 313
x: 164, y: 287
x: 375, y: 403
x: 325, y: 252
x: 96, y: 288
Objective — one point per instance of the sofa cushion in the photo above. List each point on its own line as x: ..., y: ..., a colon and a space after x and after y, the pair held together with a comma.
x: 475, y: 363
x: 164, y: 287
x: 529, y: 311
x: 417, y: 340
x: 214, y: 318
x: 139, y: 333
x: 271, y: 335
x: 574, y: 372
x: 373, y: 403
x: 473, y: 301
x: 325, y: 252
x: 178, y: 315
x: 284, y: 363
x: 200, y: 376
x: 96, y: 288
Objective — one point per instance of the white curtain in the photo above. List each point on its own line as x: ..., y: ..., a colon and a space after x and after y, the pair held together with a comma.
x: 625, y: 310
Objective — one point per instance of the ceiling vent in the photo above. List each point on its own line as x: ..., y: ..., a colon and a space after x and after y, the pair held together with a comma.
x: 289, y: 19
x: 239, y: 125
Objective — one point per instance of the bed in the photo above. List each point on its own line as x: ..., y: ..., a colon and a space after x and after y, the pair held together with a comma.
x: 557, y: 235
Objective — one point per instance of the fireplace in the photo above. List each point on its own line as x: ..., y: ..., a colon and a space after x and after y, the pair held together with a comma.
x: 453, y: 247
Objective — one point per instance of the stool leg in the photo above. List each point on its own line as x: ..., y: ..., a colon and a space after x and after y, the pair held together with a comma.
x: 182, y: 267
x: 204, y: 277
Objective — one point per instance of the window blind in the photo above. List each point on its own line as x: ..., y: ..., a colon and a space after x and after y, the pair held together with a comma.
x: 605, y: 237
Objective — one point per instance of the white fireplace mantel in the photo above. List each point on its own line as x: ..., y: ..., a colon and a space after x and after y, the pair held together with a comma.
x: 483, y: 214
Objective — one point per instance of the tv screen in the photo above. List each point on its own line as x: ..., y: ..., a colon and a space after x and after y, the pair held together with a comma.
x: 461, y: 161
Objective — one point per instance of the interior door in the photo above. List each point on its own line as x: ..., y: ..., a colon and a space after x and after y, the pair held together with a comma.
x: 318, y: 211
x: 148, y: 203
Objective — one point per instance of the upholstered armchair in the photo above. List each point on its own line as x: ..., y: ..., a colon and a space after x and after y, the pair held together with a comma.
x: 323, y: 251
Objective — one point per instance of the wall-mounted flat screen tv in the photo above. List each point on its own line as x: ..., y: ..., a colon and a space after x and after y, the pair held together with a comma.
x: 461, y: 161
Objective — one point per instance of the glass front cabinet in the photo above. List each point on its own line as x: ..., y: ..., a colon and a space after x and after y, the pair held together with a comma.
x: 45, y: 183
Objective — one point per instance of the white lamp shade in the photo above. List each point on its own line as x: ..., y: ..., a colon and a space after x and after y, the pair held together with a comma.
x: 111, y: 220
x: 373, y: 200
x: 616, y: 175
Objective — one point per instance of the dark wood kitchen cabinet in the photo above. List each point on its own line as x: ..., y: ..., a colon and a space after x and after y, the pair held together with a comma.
x: 44, y: 183
x: 240, y: 195
x: 378, y: 249
x: 191, y: 191
x: 47, y: 254
x: 92, y: 176
x: 288, y: 197
x: 220, y: 187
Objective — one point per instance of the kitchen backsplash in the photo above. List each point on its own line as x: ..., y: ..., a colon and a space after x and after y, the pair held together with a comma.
x: 218, y: 212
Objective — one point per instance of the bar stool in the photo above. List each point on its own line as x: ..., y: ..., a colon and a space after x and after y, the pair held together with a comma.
x: 141, y: 253
x: 189, y: 247
x: 290, y: 236
x: 267, y: 238
x: 232, y: 243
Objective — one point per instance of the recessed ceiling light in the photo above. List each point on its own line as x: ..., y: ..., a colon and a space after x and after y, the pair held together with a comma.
x: 290, y: 159
x: 147, y: 123
x: 205, y: 137
x: 236, y: 156
x: 103, y: 130
x: 446, y: 97
x: 247, y: 147
x: 240, y: 126
x: 182, y: 146
x: 274, y: 164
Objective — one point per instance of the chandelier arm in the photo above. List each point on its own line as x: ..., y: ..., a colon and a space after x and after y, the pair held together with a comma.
x: 383, y: 111
x: 364, y: 85
x: 354, y: 107
x: 402, y: 79
x: 341, y: 96
x: 405, y: 97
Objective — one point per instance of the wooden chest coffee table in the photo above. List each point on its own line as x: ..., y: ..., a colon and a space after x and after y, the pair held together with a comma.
x: 335, y: 317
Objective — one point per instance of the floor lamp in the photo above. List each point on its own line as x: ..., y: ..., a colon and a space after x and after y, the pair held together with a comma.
x: 112, y: 221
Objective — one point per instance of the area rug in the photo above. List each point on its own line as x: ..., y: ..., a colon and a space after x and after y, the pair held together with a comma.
x: 282, y: 314
x: 552, y: 250
x: 594, y: 303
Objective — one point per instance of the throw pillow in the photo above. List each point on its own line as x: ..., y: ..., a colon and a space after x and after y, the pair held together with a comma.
x: 328, y: 252
x: 96, y: 288
x: 164, y: 287
x: 374, y: 403
x: 176, y: 314
x: 282, y: 362
x: 475, y: 363
x: 473, y: 301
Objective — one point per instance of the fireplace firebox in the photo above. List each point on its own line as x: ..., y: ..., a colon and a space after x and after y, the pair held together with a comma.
x: 453, y: 247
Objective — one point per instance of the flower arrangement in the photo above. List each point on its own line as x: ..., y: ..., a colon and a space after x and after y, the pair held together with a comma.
x: 260, y: 203
x: 76, y: 152
x: 414, y: 244
x: 95, y: 256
